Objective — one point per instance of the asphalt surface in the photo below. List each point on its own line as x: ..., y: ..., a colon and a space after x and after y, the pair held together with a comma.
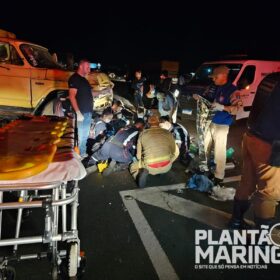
x: 147, y: 234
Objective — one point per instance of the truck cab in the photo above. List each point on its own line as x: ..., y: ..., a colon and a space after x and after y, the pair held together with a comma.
x: 32, y: 81
x: 245, y: 74
x: 28, y: 75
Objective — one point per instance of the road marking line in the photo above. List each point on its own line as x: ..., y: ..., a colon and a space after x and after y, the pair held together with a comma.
x: 159, y: 259
x: 157, y: 196
x: 186, y: 208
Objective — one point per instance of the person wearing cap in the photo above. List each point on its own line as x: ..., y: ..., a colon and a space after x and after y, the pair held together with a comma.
x: 260, y: 180
x: 225, y: 100
x: 156, y: 151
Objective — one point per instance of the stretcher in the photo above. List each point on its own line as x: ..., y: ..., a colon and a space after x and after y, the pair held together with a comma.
x: 42, y: 169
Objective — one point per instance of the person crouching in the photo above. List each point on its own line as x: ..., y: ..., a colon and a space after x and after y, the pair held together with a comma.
x: 156, y: 151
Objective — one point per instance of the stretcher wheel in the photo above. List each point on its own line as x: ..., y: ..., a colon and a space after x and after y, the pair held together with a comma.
x: 54, y: 272
x: 73, y: 261
x: 8, y: 273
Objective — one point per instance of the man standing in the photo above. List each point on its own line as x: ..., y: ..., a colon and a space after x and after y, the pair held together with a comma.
x: 81, y: 99
x: 225, y: 98
x: 260, y: 181
x: 156, y: 151
x: 138, y: 87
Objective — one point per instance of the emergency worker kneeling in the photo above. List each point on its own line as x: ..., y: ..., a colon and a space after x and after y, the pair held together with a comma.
x: 156, y: 151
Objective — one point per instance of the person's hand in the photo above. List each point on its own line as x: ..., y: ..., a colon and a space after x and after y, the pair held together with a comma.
x: 196, y: 96
x: 80, y: 116
x: 217, y: 106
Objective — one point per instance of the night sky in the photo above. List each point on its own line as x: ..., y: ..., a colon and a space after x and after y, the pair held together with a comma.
x: 142, y: 31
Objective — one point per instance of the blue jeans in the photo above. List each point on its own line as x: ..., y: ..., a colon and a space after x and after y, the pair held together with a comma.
x: 138, y: 99
x: 83, y: 132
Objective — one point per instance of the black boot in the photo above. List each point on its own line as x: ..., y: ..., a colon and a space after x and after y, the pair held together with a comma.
x: 239, y: 209
x: 267, y: 223
x: 142, y: 178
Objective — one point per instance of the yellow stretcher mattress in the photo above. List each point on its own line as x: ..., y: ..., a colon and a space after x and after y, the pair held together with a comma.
x: 28, y: 146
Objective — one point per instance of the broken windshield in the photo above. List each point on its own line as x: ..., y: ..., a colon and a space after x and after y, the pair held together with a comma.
x: 38, y: 56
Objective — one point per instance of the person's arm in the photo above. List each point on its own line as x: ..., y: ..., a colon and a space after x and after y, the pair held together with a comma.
x: 134, y: 85
x: 235, y: 101
x: 72, y: 97
x: 196, y: 96
x: 73, y: 100
x: 172, y: 104
x: 139, y: 148
x: 208, y: 94
x: 175, y: 150
x: 151, y: 92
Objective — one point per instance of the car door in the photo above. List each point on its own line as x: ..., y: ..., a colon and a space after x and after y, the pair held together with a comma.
x: 247, y: 88
x: 14, y: 79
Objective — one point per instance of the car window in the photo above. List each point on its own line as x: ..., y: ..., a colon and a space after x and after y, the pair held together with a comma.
x: 38, y: 56
x: 247, y: 77
x: 4, y: 52
x: 9, y: 54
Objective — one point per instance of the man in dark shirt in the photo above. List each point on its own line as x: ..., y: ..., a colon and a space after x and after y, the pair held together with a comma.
x: 81, y: 99
x: 260, y: 181
x: 138, y: 87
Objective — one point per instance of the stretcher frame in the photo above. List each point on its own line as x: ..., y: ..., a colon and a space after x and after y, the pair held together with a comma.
x: 31, y: 195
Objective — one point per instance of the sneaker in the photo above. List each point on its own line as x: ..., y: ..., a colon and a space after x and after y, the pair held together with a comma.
x: 142, y: 178
x: 91, y: 169
x: 110, y: 168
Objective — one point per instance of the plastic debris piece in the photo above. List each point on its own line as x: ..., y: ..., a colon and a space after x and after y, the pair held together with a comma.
x: 128, y: 197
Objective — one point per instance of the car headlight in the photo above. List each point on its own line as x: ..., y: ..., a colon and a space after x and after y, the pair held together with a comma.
x: 112, y: 75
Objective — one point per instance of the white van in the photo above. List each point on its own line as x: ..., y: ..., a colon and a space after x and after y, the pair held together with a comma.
x: 245, y: 74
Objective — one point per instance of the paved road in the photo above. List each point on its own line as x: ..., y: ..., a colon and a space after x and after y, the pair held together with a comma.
x: 129, y: 233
